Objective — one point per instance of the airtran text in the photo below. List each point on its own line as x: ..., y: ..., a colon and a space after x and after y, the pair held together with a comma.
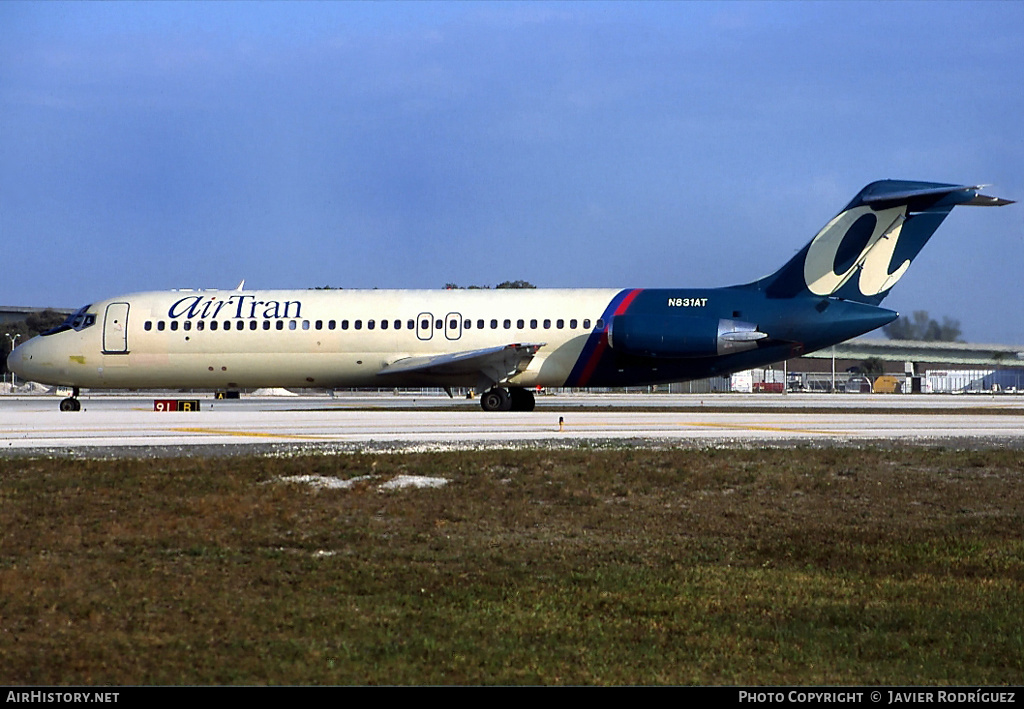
x: 236, y: 306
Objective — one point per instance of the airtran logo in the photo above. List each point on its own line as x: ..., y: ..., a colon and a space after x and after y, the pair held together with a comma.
x: 235, y: 306
x: 858, y: 240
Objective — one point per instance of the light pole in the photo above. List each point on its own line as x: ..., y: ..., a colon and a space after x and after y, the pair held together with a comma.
x: 13, y: 339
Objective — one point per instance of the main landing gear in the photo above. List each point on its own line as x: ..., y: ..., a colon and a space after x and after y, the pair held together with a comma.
x: 514, y: 399
x: 71, y: 403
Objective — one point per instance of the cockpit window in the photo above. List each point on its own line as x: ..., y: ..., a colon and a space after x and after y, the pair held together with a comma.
x: 78, y: 320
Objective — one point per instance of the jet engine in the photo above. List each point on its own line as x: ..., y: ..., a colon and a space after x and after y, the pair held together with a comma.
x: 677, y: 337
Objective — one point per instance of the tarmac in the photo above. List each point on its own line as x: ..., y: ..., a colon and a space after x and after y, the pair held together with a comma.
x: 129, y: 425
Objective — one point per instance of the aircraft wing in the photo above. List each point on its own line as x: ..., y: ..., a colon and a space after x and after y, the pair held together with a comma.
x: 493, y: 365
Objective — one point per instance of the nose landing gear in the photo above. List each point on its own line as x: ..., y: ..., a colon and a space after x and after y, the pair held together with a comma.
x: 71, y: 403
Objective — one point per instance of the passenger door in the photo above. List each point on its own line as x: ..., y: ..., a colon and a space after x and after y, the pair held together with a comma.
x: 115, y: 329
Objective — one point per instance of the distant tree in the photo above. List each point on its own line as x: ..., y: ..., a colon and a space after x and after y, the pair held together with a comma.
x: 872, y: 367
x: 504, y: 284
x: 919, y: 326
x: 43, y: 320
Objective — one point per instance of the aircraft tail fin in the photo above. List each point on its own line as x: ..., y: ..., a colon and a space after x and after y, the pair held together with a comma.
x: 866, y: 248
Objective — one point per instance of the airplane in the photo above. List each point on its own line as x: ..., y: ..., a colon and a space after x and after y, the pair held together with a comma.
x: 502, y: 343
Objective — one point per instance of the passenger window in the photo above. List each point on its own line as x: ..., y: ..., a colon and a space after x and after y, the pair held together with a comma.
x: 358, y: 324
x: 439, y: 324
x: 187, y: 325
x: 547, y: 324
x: 572, y: 324
x: 344, y: 324
x: 479, y: 324
x: 148, y: 326
x: 201, y: 325
x: 410, y: 324
x: 508, y: 324
x: 586, y: 323
x: 160, y: 325
x: 174, y: 324
x: 266, y: 324
x: 280, y: 324
x: 305, y: 324
x: 213, y: 325
x: 600, y: 324
x: 533, y: 324
x: 520, y: 324
x: 370, y: 324
x: 252, y: 325
x: 424, y: 324
x: 398, y: 324
x: 468, y: 324
x: 383, y: 324
x: 453, y: 324
x: 319, y: 324
x: 239, y: 325
x: 494, y: 324
x: 331, y: 324
x: 560, y: 324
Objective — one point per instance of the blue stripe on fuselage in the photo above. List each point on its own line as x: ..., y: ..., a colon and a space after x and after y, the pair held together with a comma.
x: 597, y: 343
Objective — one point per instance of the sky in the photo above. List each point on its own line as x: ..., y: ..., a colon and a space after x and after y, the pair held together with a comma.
x: 158, y: 145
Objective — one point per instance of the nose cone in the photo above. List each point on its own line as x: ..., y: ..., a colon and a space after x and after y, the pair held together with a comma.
x: 15, y: 360
x: 26, y: 363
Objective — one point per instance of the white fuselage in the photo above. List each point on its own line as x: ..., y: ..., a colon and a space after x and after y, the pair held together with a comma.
x: 309, y: 338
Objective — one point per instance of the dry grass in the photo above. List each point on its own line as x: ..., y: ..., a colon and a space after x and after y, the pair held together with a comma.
x: 631, y: 566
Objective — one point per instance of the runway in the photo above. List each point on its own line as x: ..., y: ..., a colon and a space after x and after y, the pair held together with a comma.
x: 128, y: 425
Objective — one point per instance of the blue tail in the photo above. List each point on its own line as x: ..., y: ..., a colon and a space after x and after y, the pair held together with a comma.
x: 868, y: 246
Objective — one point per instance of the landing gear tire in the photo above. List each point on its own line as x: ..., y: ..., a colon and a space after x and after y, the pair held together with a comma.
x: 70, y: 404
x: 496, y: 399
x: 514, y: 399
x: 522, y: 399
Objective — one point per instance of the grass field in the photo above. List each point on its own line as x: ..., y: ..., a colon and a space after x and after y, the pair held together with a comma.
x: 605, y: 566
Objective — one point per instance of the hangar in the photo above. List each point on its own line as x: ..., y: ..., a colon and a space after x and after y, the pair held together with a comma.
x: 918, y: 366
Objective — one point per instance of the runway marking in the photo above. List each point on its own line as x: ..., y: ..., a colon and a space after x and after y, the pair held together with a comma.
x: 749, y: 427
x: 244, y: 434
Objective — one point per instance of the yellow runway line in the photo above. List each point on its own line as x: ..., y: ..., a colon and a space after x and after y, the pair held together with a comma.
x: 252, y: 434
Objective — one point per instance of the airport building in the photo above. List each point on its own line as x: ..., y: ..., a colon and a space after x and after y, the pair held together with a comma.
x: 906, y: 367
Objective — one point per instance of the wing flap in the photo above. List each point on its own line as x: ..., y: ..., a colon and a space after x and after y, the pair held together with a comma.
x: 492, y: 365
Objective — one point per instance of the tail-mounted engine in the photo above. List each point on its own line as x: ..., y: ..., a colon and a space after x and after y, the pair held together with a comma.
x: 681, y: 336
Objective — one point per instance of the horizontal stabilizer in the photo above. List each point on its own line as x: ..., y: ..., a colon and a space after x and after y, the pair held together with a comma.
x: 982, y: 200
x: 880, y: 193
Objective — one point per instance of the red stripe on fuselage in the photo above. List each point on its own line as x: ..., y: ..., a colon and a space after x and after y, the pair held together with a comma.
x: 602, y: 343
